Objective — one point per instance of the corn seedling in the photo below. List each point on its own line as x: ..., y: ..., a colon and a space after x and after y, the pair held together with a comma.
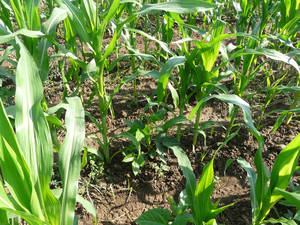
x: 196, y: 196
x: 90, y: 27
x: 267, y: 189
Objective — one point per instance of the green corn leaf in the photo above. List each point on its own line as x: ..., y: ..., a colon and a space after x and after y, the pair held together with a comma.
x: 263, y: 176
x: 178, y: 6
x: 281, y: 220
x: 49, y: 27
x: 185, y: 165
x: 236, y: 100
x: 165, y: 74
x: 284, y: 165
x: 283, y: 169
x: 162, y: 44
x: 32, y: 131
x: 17, y: 7
x: 76, y: 17
x: 210, y: 53
x: 293, y: 198
x: 69, y: 158
x: 270, y: 53
x: 5, y: 16
x: 17, y: 176
x: 24, y: 32
x: 202, y: 194
x: 90, y: 11
x: 13, y: 166
x: 252, y: 181
x: 136, y: 54
x: 174, y: 94
x: 155, y: 217
x: 88, y: 207
x: 111, y: 12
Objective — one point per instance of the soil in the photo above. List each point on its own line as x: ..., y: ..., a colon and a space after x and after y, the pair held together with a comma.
x: 120, y: 197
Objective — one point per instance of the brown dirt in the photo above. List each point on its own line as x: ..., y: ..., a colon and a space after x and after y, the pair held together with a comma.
x: 120, y: 197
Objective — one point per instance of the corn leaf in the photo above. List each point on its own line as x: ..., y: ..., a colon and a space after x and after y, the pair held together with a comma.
x: 76, y: 17
x: 285, y: 165
x: 162, y: 44
x: 155, y: 217
x: 177, y: 6
x: 32, y: 129
x: 24, y: 32
x: 252, y: 180
x: 69, y: 158
x: 49, y: 27
x: 165, y: 73
x: 90, y: 11
x: 270, y: 53
x: 202, y: 194
x: 236, y: 100
x: 185, y: 165
x: 13, y: 166
x: 291, y: 197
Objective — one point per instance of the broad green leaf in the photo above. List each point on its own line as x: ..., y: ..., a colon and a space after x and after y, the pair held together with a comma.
x: 281, y: 220
x: 236, y: 100
x: 172, y: 122
x: 180, y: 220
x: 49, y: 27
x: 155, y: 217
x: 165, y: 73
x: 270, y: 53
x: 76, y: 17
x: 32, y: 129
x: 178, y: 6
x: 252, y: 181
x: 69, y: 158
x: 162, y: 44
x: 185, y: 165
x: 285, y: 164
x: 24, y: 32
x: 88, y: 207
x: 293, y: 198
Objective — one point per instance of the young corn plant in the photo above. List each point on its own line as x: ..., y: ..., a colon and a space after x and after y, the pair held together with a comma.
x: 196, y: 196
x: 250, y: 69
x: 267, y: 189
x: 85, y: 22
x: 26, y: 154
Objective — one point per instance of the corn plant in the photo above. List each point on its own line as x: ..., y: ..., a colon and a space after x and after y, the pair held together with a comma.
x: 26, y: 155
x: 90, y: 27
x: 250, y: 70
x: 196, y: 196
x: 267, y: 189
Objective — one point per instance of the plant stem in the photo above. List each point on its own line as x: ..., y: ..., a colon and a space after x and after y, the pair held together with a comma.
x: 103, y: 111
x: 232, y: 118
